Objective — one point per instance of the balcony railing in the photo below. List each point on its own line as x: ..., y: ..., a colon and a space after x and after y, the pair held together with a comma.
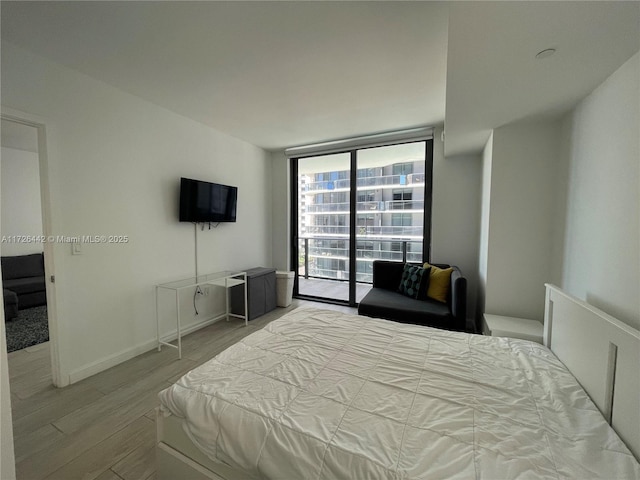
x: 372, y: 206
x: 344, y: 184
x: 386, y: 231
x: 366, y: 251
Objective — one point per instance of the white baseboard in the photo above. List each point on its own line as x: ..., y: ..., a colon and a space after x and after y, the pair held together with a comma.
x: 129, y: 353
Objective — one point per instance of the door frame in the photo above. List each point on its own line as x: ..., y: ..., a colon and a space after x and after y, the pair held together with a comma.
x: 48, y: 247
x: 293, y: 221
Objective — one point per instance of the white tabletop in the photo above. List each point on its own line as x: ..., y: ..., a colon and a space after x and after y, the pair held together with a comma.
x: 503, y: 326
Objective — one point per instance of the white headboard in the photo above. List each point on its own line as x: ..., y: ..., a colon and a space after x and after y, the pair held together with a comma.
x: 603, y: 354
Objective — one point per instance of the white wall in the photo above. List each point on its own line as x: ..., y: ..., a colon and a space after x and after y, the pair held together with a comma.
x: 21, y: 209
x: 561, y: 204
x: 485, y: 207
x: 602, y: 235
x: 517, y: 232
x: 281, y: 208
x: 455, y: 222
x: 7, y: 457
x: 114, y: 167
x: 7, y: 461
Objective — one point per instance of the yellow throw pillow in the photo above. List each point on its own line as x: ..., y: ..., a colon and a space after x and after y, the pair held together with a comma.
x: 439, y: 281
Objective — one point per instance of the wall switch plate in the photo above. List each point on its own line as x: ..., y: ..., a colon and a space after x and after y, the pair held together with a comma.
x: 76, y: 248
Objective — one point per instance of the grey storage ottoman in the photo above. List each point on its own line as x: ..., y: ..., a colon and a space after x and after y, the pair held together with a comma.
x: 261, y: 293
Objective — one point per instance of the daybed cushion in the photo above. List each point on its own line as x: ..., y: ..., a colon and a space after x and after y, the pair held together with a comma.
x: 439, y: 282
x: 383, y: 303
x: 415, y: 281
x: 388, y: 280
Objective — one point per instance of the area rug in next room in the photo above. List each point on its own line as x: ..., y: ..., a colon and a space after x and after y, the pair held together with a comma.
x: 29, y: 328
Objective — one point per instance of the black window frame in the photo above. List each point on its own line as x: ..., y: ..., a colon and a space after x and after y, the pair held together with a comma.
x: 354, y: 177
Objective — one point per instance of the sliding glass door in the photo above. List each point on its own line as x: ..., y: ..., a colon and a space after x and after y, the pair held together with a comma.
x: 391, y: 206
x: 354, y: 207
x: 323, y: 218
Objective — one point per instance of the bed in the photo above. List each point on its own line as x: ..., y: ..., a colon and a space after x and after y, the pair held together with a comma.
x: 320, y: 394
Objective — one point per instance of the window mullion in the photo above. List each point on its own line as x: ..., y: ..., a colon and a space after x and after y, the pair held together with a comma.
x: 353, y: 201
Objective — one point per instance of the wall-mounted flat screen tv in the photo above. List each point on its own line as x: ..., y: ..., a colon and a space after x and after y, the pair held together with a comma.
x: 207, y: 202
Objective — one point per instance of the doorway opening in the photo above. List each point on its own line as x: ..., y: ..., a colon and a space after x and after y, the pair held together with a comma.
x: 26, y: 258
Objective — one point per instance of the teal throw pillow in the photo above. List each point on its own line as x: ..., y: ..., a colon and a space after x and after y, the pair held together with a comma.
x: 412, y: 280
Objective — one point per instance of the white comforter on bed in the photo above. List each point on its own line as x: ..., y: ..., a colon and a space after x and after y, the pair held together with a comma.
x: 319, y: 394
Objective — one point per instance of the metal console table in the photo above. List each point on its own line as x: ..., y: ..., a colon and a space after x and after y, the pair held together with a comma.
x: 225, y: 280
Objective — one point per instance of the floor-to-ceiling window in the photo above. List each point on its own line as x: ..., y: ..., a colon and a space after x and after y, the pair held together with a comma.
x: 323, y: 187
x: 354, y: 207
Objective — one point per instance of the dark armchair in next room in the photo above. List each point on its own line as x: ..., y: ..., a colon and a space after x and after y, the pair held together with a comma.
x: 23, y: 282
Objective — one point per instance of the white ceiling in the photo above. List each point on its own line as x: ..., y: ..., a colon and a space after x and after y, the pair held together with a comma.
x: 493, y: 77
x: 281, y: 74
x: 276, y: 74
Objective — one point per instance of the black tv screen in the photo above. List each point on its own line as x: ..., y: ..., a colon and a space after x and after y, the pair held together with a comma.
x: 207, y: 202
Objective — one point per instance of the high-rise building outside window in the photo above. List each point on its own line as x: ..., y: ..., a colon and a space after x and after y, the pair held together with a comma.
x: 388, y: 209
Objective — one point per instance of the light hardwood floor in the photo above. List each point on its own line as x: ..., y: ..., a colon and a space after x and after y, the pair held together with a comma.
x: 104, y: 426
